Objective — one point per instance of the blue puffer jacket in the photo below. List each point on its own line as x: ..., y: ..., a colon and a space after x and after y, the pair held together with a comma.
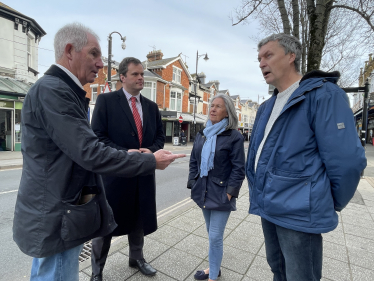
x: 311, y: 162
x: 227, y: 176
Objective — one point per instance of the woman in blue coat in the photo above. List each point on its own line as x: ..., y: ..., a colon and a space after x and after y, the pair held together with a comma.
x: 216, y: 175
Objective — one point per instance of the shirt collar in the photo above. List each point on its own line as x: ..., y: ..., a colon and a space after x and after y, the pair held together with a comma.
x: 129, y: 96
x: 71, y: 75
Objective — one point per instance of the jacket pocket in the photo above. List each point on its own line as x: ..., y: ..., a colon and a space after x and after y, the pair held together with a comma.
x: 79, y: 221
x: 287, y: 197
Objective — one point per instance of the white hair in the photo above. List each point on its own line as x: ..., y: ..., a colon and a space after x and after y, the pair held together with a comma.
x: 230, y: 108
x: 72, y: 33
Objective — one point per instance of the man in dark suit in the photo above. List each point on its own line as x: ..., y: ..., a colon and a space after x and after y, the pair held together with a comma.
x: 126, y: 120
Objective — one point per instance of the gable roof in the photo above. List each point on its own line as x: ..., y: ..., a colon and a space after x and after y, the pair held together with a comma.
x: 164, y: 63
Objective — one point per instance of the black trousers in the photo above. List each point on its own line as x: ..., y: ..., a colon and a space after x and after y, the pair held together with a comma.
x: 101, y: 246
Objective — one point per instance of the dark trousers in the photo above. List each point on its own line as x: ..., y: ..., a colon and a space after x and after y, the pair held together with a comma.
x: 292, y: 255
x: 101, y: 246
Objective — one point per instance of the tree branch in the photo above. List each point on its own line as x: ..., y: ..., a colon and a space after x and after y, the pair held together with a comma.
x: 250, y: 12
x: 362, y: 14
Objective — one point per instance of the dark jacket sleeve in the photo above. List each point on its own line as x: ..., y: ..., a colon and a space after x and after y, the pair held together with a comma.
x: 237, y: 160
x: 159, y: 139
x: 99, y: 123
x: 66, y: 124
x: 338, y: 144
x: 194, y: 169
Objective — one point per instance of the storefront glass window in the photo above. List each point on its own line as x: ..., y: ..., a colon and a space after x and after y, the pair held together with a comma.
x: 17, y: 126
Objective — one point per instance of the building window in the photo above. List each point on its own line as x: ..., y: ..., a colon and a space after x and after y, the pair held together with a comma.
x: 102, y: 89
x: 177, y: 74
x: 29, y: 52
x: 245, y: 119
x: 93, y: 93
x: 149, y: 91
x: 175, y: 101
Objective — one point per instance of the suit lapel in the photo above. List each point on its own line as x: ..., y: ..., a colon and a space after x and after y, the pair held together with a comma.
x: 145, y: 113
x: 126, y: 108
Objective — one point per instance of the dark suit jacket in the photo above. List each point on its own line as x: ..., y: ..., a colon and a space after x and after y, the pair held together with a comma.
x: 114, y: 124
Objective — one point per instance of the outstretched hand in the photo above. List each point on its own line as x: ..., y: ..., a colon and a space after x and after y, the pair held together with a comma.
x: 164, y: 158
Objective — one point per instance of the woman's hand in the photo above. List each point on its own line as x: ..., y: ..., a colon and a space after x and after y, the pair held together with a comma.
x: 229, y: 196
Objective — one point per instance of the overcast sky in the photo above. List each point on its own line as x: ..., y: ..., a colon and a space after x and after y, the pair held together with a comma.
x: 172, y: 26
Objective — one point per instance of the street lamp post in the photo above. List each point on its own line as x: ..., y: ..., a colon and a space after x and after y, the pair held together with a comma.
x: 110, y: 55
x: 194, y: 110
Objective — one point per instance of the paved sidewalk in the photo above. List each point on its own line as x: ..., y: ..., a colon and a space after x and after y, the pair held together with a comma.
x: 10, y: 160
x: 180, y: 246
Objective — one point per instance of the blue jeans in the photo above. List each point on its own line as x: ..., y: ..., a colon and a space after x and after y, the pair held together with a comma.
x: 215, y: 224
x: 292, y: 255
x: 63, y: 266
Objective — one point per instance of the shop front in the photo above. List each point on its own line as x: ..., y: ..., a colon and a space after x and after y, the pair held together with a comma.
x: 10, y: 125
x: 12, y: 94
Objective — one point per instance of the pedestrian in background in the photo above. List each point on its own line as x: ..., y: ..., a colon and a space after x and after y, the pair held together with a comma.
x: 304, y: 161
x: 216, y: 175
x: 61, y: 201
x: 133, y: 199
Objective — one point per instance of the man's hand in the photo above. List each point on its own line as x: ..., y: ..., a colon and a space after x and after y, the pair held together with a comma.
x: 133, y: 150
x: 229, y: 196
x: 164, y: 158
x: 145, y: 150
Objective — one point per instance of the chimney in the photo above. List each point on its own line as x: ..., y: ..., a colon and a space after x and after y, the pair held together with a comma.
x: 202, y: 77
x: 155, y: 55
x: 215, y: 82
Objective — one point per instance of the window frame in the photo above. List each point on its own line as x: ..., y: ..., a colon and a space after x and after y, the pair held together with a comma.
x: 177, y: 73
x: 176, y: 98
x: 93, y: 100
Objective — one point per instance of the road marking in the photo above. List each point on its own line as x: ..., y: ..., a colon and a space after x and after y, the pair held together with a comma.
x: 8, y: 191
x: 173, y: 207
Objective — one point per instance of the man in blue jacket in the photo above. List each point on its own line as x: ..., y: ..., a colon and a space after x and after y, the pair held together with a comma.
x: 304, y: 161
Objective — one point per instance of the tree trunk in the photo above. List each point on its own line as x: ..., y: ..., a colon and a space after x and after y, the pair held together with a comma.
x: 284, y: 16
x: 295, y: 18
x: 318, y: 20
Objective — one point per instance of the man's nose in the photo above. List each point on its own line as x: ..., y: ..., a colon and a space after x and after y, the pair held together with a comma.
x: 100, y: 63
x: 262, y: 63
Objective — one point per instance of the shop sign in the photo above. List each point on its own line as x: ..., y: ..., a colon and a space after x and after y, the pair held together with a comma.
x: 8, y: 104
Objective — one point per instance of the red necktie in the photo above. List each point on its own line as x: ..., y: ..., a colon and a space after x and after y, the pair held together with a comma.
x: 138, y: 121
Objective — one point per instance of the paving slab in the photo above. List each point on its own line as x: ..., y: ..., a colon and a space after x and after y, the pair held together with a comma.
x: 180, y: 246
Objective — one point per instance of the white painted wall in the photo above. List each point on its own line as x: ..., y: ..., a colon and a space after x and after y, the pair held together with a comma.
x: 13, y: 46
x: 6, y: 44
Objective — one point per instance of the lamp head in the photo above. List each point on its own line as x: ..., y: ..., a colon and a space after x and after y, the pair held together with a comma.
x: 206, y: 57
x: 123, y: 43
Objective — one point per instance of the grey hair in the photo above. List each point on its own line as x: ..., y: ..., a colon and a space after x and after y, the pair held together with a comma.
x: 124, y: 65
x: 289, y: 43
x: 72, y: 33
x: 230, y: 108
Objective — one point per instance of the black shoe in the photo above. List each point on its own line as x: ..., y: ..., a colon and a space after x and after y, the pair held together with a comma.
x: 143, y: 266
x: 201, y: 275
x: 98, y: 277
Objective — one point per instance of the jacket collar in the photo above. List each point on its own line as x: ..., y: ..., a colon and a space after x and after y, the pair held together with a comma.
x: 224, y: 133
x: 59, y: 73
x: 315, y: 76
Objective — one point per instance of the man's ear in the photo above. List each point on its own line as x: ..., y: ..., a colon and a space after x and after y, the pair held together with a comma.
x: 292, y: 57
x: 69, y: 51
x: 120, y: 77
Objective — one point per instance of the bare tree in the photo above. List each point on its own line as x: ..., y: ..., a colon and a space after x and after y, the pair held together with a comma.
x: 335, y: 34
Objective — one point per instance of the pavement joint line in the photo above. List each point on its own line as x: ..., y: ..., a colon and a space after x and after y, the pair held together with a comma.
x: 172, y: 206
x: 177, y: 207
x: 10, y: 191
